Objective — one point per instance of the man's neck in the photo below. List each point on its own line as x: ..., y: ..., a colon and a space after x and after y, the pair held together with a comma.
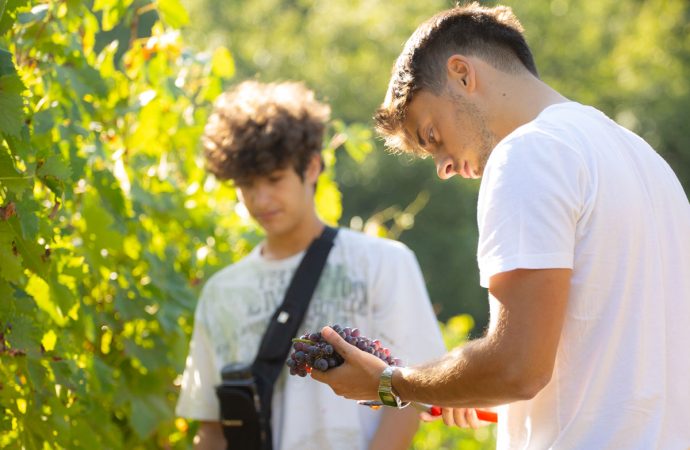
x: 293, y: 241
x: 520, y: 102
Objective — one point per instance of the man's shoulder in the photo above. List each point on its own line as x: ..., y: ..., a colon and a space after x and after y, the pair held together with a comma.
x: 232, y: 271
x: 564, y: 125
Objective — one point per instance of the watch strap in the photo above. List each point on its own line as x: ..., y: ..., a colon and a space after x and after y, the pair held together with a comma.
x: 387, y: 395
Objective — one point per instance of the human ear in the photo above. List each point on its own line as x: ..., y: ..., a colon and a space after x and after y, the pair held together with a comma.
x: 461, y: 70
x: 314, y: 168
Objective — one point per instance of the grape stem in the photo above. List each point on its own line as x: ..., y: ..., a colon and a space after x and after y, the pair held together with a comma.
x: 304, y: 341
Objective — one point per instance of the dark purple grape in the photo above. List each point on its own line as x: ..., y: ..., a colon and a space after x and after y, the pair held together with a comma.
x: 321, y: 364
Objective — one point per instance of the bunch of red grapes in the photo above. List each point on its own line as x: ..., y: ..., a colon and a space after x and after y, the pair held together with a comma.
x: 311, y: 351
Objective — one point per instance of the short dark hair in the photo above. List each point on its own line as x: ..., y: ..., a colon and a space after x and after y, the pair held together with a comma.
x: 492, y: 34
x: 257, y: 128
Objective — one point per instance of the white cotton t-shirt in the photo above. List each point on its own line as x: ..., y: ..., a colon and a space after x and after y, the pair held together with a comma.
x: 370, y: 283
x: 572, y: 189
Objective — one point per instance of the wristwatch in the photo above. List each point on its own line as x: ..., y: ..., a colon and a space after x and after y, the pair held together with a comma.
x: 386, y: 393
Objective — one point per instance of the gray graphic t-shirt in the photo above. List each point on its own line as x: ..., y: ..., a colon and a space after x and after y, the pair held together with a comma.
x: 370, y: 283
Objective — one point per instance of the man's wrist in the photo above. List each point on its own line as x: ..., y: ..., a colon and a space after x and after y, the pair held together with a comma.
x: 399, y: 382
x: 387, y: 394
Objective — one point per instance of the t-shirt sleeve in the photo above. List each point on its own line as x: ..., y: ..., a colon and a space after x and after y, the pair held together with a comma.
x: 404, y: 318
x: 197, y: 398
x: 529, y: 203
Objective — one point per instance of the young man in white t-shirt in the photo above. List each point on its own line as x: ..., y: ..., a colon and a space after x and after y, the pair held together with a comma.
x: 267, y: 139
x: 584, y: 246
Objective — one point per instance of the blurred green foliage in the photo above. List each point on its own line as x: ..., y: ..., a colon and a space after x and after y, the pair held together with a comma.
x: 108, y: 224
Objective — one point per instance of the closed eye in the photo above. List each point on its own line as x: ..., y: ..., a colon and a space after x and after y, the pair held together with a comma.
x: 275, y: 179
x: 432, y: 138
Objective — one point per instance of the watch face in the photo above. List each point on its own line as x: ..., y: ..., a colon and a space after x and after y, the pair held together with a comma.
x: 388, y: 399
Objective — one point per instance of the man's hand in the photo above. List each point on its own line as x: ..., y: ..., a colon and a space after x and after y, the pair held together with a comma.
x: 358, y: 377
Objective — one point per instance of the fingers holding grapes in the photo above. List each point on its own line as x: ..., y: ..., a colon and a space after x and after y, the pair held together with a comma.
x: 341, y: 346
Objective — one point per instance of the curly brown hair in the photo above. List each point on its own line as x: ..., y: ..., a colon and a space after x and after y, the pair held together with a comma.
x: 493, y: 34
x: 257, y: 128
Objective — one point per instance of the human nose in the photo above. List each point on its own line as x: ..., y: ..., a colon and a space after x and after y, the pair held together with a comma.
x: 254, y: 195
x: 445, y: 168
x: 260, y: 195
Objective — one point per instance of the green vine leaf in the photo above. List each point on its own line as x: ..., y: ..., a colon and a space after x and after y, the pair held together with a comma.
x: 55, y: 166
x: 32, y: 253
x: 6, y: 63
x: 173, y: 13
x: 10, y: 14
x: 222, y: 63
x: 13, y: 180
x: 113, y: 12
x: 11, y: 268
x: 11, y: 104
x: 25, y: 335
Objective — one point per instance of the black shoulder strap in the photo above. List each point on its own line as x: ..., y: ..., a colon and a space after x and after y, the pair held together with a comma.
x: 277, y: 340
x: 283, y: 326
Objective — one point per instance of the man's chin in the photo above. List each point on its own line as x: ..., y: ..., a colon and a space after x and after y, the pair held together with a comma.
x: 274, y: 229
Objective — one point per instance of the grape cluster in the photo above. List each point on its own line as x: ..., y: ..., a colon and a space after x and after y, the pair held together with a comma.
x: 311, y: 351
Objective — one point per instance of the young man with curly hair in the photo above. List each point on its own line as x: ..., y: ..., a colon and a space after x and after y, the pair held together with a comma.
x: 584, y: 247
x: 267, y: 139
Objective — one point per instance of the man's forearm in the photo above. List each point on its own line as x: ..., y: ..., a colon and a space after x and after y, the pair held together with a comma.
x: 513, y: 362
x: 475, y: 375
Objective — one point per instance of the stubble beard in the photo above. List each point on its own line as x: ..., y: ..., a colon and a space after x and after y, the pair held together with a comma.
x: 475, y: 119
